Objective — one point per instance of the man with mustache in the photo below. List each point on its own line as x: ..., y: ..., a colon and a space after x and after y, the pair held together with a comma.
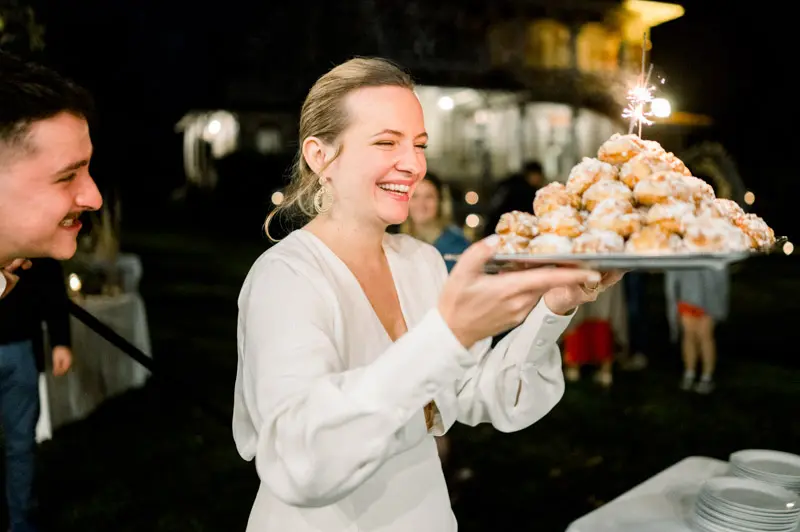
x: 45, y: 186
x: 45, y: 149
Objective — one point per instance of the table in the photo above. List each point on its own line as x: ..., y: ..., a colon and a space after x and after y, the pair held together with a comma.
x: 100, y: 370
x: 660, y: 504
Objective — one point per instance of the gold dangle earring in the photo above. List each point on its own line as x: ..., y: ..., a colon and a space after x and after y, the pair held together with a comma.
x: 323, y: 199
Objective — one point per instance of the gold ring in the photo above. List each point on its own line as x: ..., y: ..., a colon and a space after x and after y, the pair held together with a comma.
x: 589, y: 290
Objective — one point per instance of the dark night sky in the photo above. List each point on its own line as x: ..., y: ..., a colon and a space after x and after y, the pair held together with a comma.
x: 147, y: 61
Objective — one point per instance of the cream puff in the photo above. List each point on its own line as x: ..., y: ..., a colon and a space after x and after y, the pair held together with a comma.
x: 599, y: 241
x: 661, y: 187
x: 588, y: 172
x: 553, y: 196
x: 603, y: 190
x: 550, y: 244
x: 564, y: 221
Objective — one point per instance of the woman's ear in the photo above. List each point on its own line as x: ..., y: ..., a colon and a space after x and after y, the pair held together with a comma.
x: 317, y: 154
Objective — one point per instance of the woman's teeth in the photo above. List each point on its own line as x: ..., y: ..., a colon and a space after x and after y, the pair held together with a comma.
x: 69, y: 222
x: 392, y: 187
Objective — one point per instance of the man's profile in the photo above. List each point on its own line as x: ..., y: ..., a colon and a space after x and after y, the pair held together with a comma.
x: 45, y: 150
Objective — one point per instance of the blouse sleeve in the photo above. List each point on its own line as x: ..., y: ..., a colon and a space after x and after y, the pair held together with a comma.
x: 316, y: 429
x: 520, y: 380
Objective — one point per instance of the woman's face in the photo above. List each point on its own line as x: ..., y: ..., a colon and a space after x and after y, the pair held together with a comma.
x: 382, y: 158
x: 424, y: 207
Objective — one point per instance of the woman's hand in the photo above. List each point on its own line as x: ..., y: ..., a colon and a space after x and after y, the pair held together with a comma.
x: 564, y: 299
x: 476, y: 305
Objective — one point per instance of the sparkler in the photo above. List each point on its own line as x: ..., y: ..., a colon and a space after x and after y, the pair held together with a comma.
x: 639, y: 96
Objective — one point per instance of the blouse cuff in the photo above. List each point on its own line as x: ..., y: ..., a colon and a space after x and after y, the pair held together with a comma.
x: 548, y: 328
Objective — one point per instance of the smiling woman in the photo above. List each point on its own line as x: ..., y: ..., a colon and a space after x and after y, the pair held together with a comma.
x: 355, y: 346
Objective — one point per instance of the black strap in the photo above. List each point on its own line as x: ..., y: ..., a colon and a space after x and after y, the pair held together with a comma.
x: 183, y: 389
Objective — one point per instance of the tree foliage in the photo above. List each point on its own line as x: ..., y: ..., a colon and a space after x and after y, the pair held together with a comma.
x: 19, y: 30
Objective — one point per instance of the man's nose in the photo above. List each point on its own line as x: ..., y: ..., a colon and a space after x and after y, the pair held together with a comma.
x: 89, y: 198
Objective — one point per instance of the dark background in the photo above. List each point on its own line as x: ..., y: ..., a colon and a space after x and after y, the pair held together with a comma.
x: 148, y: 62
x: 155, y: 459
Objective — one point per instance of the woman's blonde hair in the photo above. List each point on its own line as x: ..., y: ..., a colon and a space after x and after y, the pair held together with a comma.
x: 324, y: 115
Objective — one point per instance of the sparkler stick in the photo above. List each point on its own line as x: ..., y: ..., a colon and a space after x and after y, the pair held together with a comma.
x: 649, y: 91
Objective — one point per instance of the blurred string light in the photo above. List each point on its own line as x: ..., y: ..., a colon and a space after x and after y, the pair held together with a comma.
x: 788, y: 248
x: 471, y: 197
x: 214, y: 127
x: 473, y: 220
x: 277, y: 198
x: 749, y: 198
x: 660, y: 107
x: 74, y: 282
x: 446, y: 103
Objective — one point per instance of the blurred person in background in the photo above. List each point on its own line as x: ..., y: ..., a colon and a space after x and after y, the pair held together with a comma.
x: 430, y: 219
x: 594, y: 334
x: 45, y: 149
x: 40, y: 297
x: 633, y: 355
x: 515, y: 194
x: 696, y: 301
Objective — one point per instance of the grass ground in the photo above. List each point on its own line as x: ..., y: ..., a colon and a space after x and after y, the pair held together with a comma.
x: 149, y: 460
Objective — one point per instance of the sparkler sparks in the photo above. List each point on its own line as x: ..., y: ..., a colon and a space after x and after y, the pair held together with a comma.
x: 640, y: 96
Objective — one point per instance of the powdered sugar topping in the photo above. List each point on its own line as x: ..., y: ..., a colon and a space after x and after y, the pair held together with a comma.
x: 550, y: 244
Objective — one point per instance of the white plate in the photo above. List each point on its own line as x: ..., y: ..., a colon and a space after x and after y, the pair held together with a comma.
x: 751, y: 494
x: 768, y: 463
x: 619, y: 261
x: 623, y: 261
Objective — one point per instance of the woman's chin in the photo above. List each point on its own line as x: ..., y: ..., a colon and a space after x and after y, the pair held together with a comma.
x: 394, y: 216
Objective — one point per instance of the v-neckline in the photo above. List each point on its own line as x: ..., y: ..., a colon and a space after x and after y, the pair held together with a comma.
x: 387, y: 251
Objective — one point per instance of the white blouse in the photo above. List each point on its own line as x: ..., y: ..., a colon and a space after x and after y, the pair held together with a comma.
x: 332, y: 410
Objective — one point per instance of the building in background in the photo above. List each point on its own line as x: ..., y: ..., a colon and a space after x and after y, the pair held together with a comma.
x: 500, y: 83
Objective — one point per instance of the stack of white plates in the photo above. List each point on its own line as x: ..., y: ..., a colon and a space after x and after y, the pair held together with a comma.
x: 731, y: 504
x: 773, y: 467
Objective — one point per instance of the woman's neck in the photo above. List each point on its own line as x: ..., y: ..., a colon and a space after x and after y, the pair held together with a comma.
x: 348, y: 239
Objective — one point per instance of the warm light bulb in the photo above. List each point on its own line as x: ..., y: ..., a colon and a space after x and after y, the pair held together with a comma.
x: 473, y: 220
x: 277, y: 198
x: 214, y: 127
x: 446, y: 103
x: 75, y: 282
x: 749, y: 197
x: 660, y: 107
x: 788, y: 248
x: 471, y: 197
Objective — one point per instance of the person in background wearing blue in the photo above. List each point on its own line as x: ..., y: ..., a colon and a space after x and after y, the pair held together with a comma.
x: 430, y: 219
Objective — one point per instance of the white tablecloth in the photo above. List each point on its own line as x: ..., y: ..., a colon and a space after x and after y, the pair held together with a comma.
x: 100, y: 370
x: 661, y: 504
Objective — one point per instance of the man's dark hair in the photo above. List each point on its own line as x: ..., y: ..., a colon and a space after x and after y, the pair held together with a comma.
x: 532, y: 167
x: 30, y: 92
